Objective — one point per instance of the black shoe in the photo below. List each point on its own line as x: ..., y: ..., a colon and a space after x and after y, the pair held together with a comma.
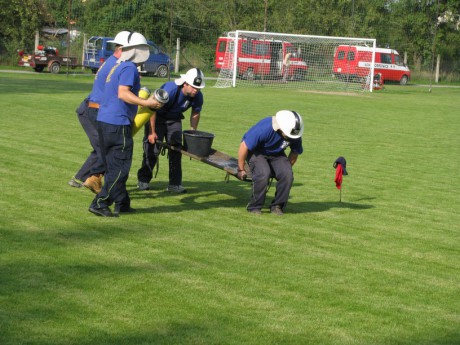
x: 123, y: 209
x: 103, y: 212
x: 277, y: 210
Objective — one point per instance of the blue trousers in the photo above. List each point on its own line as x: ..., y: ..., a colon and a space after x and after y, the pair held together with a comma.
x: 263, y: 168
x: 117, y: 152
x: 172, y: 131
x: 93, y: 164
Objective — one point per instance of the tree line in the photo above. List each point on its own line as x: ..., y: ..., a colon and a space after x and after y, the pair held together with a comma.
x: 422, y: 28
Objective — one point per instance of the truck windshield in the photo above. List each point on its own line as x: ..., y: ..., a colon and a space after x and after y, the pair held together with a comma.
x: 291, y: 49
x: 222, y: 46
x: 261, y: 49
x: 386, y: 58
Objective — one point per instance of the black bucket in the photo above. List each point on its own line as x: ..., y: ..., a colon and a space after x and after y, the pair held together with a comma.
x: 198, y: 143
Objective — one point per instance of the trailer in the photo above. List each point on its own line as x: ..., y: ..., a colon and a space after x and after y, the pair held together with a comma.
x: 46, y: 57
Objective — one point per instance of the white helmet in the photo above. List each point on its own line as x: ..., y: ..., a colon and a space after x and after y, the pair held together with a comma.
x: 135, y: 39
x: 290, y: 123
x: 193, y: 77
x: 136, y: 49
x: 121, y: 38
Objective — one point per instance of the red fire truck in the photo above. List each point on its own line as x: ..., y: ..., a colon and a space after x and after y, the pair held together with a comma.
x: 257, y: 57
x: 354, y: 62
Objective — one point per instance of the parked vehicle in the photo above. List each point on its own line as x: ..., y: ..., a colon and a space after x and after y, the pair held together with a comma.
x: 98, y: 49
x: 46, y: 57
x: 354, y: 62
x: 258, y: 57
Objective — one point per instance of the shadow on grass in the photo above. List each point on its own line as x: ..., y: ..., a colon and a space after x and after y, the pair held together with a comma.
x: 194, y: 333
x: 313, y: 207
x: 205, y: 195
x: 199, y: 196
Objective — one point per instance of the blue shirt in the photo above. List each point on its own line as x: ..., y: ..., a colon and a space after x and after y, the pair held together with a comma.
x: 178, y: 103
x: 113, y: 110
x: 263, y: 139
x: 99, y: 80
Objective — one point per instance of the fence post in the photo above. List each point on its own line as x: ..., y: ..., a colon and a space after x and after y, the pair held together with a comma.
x: 176, y: 66
x: 37, y: 40
x: 438, y: 63
x: 85, y: 42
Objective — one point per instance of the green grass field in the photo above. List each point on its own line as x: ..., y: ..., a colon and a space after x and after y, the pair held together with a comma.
x: 380, y: 267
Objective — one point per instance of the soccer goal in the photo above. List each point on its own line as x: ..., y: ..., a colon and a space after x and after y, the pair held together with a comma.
x: 248, y: 58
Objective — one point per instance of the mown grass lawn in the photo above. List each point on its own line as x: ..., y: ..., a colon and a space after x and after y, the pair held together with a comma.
x: 380, y: 267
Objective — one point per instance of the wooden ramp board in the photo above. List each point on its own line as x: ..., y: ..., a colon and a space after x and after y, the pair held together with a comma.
x: 217, y: 159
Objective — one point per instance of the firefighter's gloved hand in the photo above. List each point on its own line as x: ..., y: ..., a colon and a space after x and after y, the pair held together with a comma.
x: 242, y: 175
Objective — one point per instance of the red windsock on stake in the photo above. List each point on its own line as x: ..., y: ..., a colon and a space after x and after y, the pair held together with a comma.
x: 340, y: 166
x: 338, y: 176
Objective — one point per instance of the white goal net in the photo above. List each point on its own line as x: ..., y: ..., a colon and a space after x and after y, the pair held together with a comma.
x: 294, y: 61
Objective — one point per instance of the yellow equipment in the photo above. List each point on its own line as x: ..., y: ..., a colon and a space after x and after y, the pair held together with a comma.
x: 143, y: 113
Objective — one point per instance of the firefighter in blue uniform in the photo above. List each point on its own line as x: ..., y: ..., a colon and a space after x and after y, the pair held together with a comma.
x: 184, y: 93
x: 91, y: 172
x: 263, y: 147
x: 115, y: 118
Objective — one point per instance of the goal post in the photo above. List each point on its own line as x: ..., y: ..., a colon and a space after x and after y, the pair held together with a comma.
x: 280, y: 60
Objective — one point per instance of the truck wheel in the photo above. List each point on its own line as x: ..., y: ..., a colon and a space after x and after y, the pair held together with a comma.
x: 403, y: 80
x: 162, y: 71
x: 39, y: 68
x: 298, y: 75
x: 248, y: 75
x: 55, y: 68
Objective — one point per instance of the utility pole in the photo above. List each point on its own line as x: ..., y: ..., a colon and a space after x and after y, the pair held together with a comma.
x: 69, y: 20
x: 265, y: 16
x: 171, y: 16
x: 352, y: 18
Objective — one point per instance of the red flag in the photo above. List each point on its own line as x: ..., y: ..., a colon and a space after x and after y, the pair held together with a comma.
x: 338, y: 176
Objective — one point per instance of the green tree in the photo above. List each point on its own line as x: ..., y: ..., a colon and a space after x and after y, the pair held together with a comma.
x: 447, y: 42
x: 20, y: 19
x: 422, y: 28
